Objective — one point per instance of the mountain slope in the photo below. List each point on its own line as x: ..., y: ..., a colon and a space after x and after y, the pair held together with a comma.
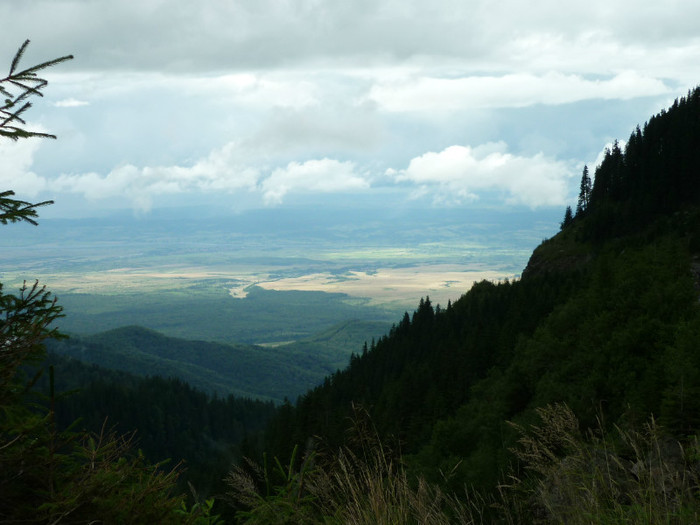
x: 171, y: 419
x: 605, y: 318
x: 272, y: 373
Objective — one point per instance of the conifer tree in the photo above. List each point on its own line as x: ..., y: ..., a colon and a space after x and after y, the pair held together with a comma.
x: 584, y: 195
x: 568, y: 217
x: 24, y: 319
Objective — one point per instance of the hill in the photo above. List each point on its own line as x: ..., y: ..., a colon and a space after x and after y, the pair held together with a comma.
x: 261, y: 372
x: 605, y: 321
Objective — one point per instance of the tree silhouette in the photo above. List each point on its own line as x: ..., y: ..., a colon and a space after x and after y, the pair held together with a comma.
x: 584, y: 195
x: 568, y: 218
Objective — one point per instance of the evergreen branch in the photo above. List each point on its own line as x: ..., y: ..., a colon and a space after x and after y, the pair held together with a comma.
x: 29, y: 90
x: 15, y: 210
x: 19, y: 133
x: 18, y: 56
x: 44, y: 65
x: 25, y: 83
x: 11, y: 116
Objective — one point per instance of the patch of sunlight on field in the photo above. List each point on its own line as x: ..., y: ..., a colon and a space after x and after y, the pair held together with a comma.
x: 392, y: 285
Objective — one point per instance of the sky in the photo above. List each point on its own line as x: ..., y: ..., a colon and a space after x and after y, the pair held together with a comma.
x: 246, y: 104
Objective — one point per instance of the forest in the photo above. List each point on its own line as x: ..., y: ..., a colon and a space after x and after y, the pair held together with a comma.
x: 570, y: 395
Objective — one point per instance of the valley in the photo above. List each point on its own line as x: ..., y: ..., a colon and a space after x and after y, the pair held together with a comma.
x: 176, y: 274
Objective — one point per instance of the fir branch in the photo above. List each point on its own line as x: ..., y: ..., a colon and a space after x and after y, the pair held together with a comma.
x: 17, y: 87
x: 18, y: 56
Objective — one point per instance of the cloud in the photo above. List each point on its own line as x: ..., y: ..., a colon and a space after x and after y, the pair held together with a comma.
x: 218, y: 172
x: 17, y: 160
x: 180, y: 35
x: 221, y: 172
x: 425, y: 94
x: 71, y: 103
x: 313, y: 176
x: 461, y: 173
x: 456, y: 175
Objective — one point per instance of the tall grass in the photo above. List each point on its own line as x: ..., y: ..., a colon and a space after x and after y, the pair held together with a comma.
x: 631, y: 476
x: 561, y: 475
x: 362, y: 483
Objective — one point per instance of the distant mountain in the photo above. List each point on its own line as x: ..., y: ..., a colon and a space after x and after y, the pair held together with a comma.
x: 605, y: 319
x: 259, y: 372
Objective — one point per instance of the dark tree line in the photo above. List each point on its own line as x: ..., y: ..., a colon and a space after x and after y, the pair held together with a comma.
x: 657, y: 173
x: 172, y: 421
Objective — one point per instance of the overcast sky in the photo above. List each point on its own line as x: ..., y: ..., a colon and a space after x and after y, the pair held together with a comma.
x: 255, y: 103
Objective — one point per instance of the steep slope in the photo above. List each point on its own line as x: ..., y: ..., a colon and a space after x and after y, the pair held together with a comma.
x: 605, y: 318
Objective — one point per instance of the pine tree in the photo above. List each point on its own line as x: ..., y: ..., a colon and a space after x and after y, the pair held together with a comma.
x: 568, y: 218
x: 584, y: 195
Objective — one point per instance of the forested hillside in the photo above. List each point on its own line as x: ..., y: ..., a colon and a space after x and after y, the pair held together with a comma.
x: 272, y: 373
x: 604, y: 321
x: 171, y: 420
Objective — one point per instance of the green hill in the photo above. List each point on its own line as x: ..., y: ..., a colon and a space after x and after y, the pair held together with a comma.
x: 262, y: 372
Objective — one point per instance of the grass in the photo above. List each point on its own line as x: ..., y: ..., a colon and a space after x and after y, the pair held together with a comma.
x: 362, y: 483
x: 563, y: 476
x: 632, y: 476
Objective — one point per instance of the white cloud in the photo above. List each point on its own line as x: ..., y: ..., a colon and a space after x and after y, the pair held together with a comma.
x: 222, y: 171
x: 313, y: 176
x: 460, y: 173
x: 71, y: 103
x: 17, y: 159
x: 219, y: 172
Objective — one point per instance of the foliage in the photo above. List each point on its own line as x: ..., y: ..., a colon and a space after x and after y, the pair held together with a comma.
x: 568, y: 218
x: 72, y: 478
x: 633, y: 476
x: 25, y: 322
x: 16, y: 88
x: 562, y: 474
x: 173, y: 420
x: 362, y: 482
x: 655, y: 174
